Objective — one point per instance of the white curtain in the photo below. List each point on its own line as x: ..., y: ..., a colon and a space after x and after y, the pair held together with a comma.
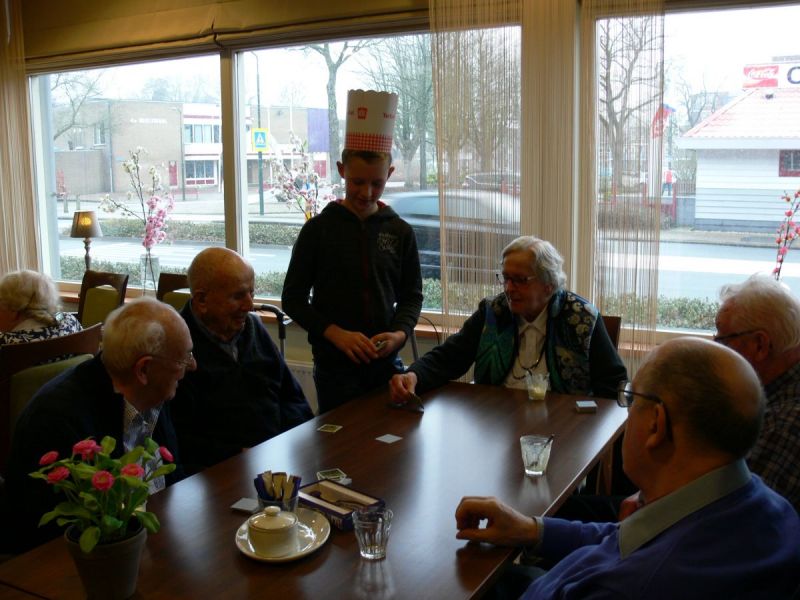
x: 18, y: 230
x: 476, y: 76
x: 621, y: 71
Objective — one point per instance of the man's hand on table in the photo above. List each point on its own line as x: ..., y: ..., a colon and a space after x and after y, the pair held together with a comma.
x: 402, y: 386
x: 504, y: 525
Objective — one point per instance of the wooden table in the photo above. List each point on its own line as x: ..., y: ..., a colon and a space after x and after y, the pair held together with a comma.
x: 466, y: 443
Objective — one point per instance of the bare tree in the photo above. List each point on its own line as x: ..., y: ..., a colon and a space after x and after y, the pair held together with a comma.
x: 71, y: 91
x: 335, y: 55
x: 403, y: 65
x: 628, y: 82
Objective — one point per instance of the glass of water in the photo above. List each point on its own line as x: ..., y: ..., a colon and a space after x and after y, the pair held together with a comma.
x: 372, y: 527
x: 535, y: 453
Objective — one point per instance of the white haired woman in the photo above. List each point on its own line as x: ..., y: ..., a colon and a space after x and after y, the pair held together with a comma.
x: 533, y: 326
x: 30, y: 309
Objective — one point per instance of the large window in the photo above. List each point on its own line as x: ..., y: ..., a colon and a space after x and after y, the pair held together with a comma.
x: 728, y: 155
x: 89, y: 123
x: 292, y: 125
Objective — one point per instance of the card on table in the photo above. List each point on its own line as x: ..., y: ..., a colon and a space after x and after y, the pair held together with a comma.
x: 389, y: 438
x: 329, y: 428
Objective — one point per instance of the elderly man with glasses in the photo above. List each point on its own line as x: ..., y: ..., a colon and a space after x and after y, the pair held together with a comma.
x: 760, y: 319
x: 534, y: 325
x: 122, y: 392
x: 707, y: 528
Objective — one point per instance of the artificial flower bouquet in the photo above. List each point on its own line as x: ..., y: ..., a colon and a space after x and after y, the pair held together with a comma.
x: 103, y: 493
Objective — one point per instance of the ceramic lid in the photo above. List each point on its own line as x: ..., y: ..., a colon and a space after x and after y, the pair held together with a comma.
x: 274, y: 519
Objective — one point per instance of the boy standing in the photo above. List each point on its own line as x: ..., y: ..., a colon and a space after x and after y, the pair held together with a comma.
x: 361, y: 261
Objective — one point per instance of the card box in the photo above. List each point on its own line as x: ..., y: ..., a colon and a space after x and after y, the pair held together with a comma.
x: 335, y: 501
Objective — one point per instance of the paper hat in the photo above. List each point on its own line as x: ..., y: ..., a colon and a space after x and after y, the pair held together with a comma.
x: 370, y: 120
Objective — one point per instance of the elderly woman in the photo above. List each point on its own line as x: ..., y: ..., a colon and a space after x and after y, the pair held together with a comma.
x: 534, y: 326
x: 29, y: 309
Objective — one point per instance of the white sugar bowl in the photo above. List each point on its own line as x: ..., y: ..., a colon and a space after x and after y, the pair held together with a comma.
x: 273, y: 532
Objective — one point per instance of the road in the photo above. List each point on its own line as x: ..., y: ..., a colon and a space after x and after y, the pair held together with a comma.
x: 694, y: 270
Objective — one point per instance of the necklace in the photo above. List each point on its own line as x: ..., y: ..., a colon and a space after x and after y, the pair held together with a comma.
x: 528, y: 369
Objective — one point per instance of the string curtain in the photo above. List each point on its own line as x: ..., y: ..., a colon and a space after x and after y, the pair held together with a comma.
x: 622, y: 119
x: 18, y: 221
x: 476, y: 78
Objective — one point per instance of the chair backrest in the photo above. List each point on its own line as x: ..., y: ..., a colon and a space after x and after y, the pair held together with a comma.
x: 94, y: 304
x: 16, y: 358
x: 173, y: 288
x: 169, y: 282
x: 613, y: 326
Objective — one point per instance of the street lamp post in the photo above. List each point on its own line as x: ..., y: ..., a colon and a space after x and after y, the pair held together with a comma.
x: 260, y: 154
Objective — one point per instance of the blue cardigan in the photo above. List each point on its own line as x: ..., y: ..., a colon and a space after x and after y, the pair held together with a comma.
x: 743, y: 545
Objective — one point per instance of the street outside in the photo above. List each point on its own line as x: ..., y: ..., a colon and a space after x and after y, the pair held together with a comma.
x: 691, y: 263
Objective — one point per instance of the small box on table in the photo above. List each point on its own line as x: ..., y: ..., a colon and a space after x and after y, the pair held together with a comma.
x: 336, y: 501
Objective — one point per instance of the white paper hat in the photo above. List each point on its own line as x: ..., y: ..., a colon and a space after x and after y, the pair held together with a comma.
x: 370, y: 120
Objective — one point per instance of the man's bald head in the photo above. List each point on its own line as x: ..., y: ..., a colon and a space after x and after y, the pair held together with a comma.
x: 222, y: 285
x: 213, y: 265
x: 712, y: 393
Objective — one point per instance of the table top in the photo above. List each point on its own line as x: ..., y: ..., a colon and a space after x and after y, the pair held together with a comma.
x: 466, y: 443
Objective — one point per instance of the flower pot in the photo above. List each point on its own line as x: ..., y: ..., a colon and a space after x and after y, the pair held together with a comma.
x: 111, y: 570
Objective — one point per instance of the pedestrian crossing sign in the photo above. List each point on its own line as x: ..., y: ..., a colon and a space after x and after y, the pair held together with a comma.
x: 259, y: 139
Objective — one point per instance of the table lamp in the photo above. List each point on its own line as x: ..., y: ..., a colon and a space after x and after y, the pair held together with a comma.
x: 85, y: 225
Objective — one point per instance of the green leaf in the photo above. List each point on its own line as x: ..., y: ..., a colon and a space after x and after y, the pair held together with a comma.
x: 89, y: 539
x: 163, y: 470
x: 111, y: 523
x: 149, y: 521
x: 108, y: 444
x: 83, y: 471
x: 151, y: 445
x: 132, y: 456
x: 133, y: 482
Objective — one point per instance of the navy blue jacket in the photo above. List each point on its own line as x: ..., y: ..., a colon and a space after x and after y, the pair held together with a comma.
x: 78, y: 403
x: 226, y: 404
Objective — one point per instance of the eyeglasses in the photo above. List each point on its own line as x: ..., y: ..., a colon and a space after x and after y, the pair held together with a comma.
x: 184, y: 362
x: 626, y: 396
x: 723, y: 339
x: 504, y: 279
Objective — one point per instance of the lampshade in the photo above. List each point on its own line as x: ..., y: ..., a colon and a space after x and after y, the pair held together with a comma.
x: 85, y: 225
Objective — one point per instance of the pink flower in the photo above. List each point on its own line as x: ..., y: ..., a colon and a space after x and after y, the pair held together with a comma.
x: 86, y: 448
x: 166, y: 454
x: 788, y: 213
x: 132, y: 470
x: 57, y: 474
x: 102, y: 480
x: 49, y: 458
x: 783, y: 251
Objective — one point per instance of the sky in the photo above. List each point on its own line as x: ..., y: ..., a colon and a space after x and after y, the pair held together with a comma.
x: 717, y: 45
x: 704, y: 46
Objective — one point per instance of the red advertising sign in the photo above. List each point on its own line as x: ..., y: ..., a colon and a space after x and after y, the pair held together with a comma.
x: 760, y: 76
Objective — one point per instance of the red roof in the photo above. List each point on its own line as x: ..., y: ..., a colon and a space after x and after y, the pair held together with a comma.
x: 760, y: 113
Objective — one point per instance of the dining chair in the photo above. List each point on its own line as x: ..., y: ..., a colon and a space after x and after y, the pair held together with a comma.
x: 613, y: 327
x: 611, y: 461
x: 24, y: 369
x: 173, y: 288
x: 101, y: 292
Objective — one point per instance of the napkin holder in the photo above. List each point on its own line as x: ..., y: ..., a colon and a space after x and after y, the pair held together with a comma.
x: 335, y: 501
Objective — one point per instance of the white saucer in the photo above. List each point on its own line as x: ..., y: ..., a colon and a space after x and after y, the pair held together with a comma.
x: 313, y: 529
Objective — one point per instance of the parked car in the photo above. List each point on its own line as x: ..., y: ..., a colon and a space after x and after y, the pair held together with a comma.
x: 488, y: 213
x: 496, y: 181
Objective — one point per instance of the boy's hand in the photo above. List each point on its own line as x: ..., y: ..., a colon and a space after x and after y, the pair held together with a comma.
x: 358, y: 347
x: 388, y: 342
x: 401, y: 386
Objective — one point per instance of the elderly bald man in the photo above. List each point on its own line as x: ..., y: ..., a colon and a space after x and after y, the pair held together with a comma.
x: 760, y: 319
x: 242, y: 392
x: 708, y: 528
x: 122, y: 392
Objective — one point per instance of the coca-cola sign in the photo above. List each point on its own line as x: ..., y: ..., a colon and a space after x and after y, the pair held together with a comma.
x: 771, y: 75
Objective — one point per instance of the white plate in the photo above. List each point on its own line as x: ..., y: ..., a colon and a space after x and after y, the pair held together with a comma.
x: 313, y: 529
